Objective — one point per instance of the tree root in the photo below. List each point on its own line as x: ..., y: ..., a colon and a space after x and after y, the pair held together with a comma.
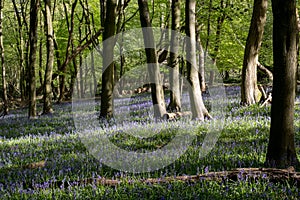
x: 176, y: 115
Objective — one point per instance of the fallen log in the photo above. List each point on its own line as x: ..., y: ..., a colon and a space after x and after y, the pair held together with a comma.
x: 240, y: 174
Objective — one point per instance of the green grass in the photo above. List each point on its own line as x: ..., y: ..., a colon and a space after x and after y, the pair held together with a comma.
x: 242, y: 143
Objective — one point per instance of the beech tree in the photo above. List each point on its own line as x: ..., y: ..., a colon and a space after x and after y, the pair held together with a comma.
x: 175, y: 99
x: 197, y: 106
x: 108, y: 64
x: 50, y: 59
x: 157, y: 92
x: 281, y: 151
x: 201, y: 58
x: 249, y: 88
x: 4, y: 88
x: 33, y: 36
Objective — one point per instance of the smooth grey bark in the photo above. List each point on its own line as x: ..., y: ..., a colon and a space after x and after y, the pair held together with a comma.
x: 197, y: 106
x: 157, y: 92
x: 249, y: 89
x: 50, y: 60
x: 281, y: 151
x: 107, y: 105
x: 175, y: 97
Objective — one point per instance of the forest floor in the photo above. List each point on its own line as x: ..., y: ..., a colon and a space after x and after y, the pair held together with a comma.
x: 48, y: 158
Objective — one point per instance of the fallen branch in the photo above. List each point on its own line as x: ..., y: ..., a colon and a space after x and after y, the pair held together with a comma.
x: 267, y: 101
x: 240, y: 174
x: 265, y: 70
x: 264, y: 95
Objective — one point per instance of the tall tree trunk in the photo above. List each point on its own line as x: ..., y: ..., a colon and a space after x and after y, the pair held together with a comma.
x: 20, y: 48
x: 157, y: 92
x: 93, y: 72
x: 281, y: 149
x: 41, y: 53
x: 198, y: 108
x: 81, y: 81
x: 50, y: 60
x: 33, y: 36
x: 4, y: 84
x: 62, y: 76
x: 175, y: 98
x: 102, y: 12
x: 201, y: 61
x: 107, y: 106
x: 208, y: 29
x: 249, y: 89
x: 220, y: 21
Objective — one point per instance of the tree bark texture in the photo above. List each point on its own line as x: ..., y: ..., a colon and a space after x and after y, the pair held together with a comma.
x: 4, y: 84
x: 50, y: 60
x: 108, y: 64
x: 33, y: 36
x: 197, y: 106
x: 281, y: 149
x: 152, y: 61
x: 249, y: 90
x: 201, y: 61
x: 175, y: 99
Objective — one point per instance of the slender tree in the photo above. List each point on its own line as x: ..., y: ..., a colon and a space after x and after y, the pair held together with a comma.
x: 108, y: 64
x: 220, y: 20
x: 33, y: 35
x: 63, y: 67
x: 4, y: 88
x: 201, y: 58
x: 175, y: 100
x: 281, y: 149
x: 50, y: 59
x: 157, y: 92
x: 21, y: 43
x: 198, y: 108
x: 249, y: 89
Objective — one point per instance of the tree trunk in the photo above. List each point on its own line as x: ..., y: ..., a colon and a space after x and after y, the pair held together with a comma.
x: 157, y: 92
x: 208, y: 29
x: 281, y: 149
x: 40, y: 68
x: 93, y: 73
x: 175, y: 97
x: 197, y: 106
x: 50, y: 60
x: 70, y: 25
x: 4, y: 84
x: 107, y: 105
x: 201, y: 61
x: 33, y: 35
x: 20, y: 48
x: 249, y: 90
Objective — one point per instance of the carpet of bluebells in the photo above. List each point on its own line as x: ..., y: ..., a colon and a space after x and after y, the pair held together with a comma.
x: 54, y: 142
